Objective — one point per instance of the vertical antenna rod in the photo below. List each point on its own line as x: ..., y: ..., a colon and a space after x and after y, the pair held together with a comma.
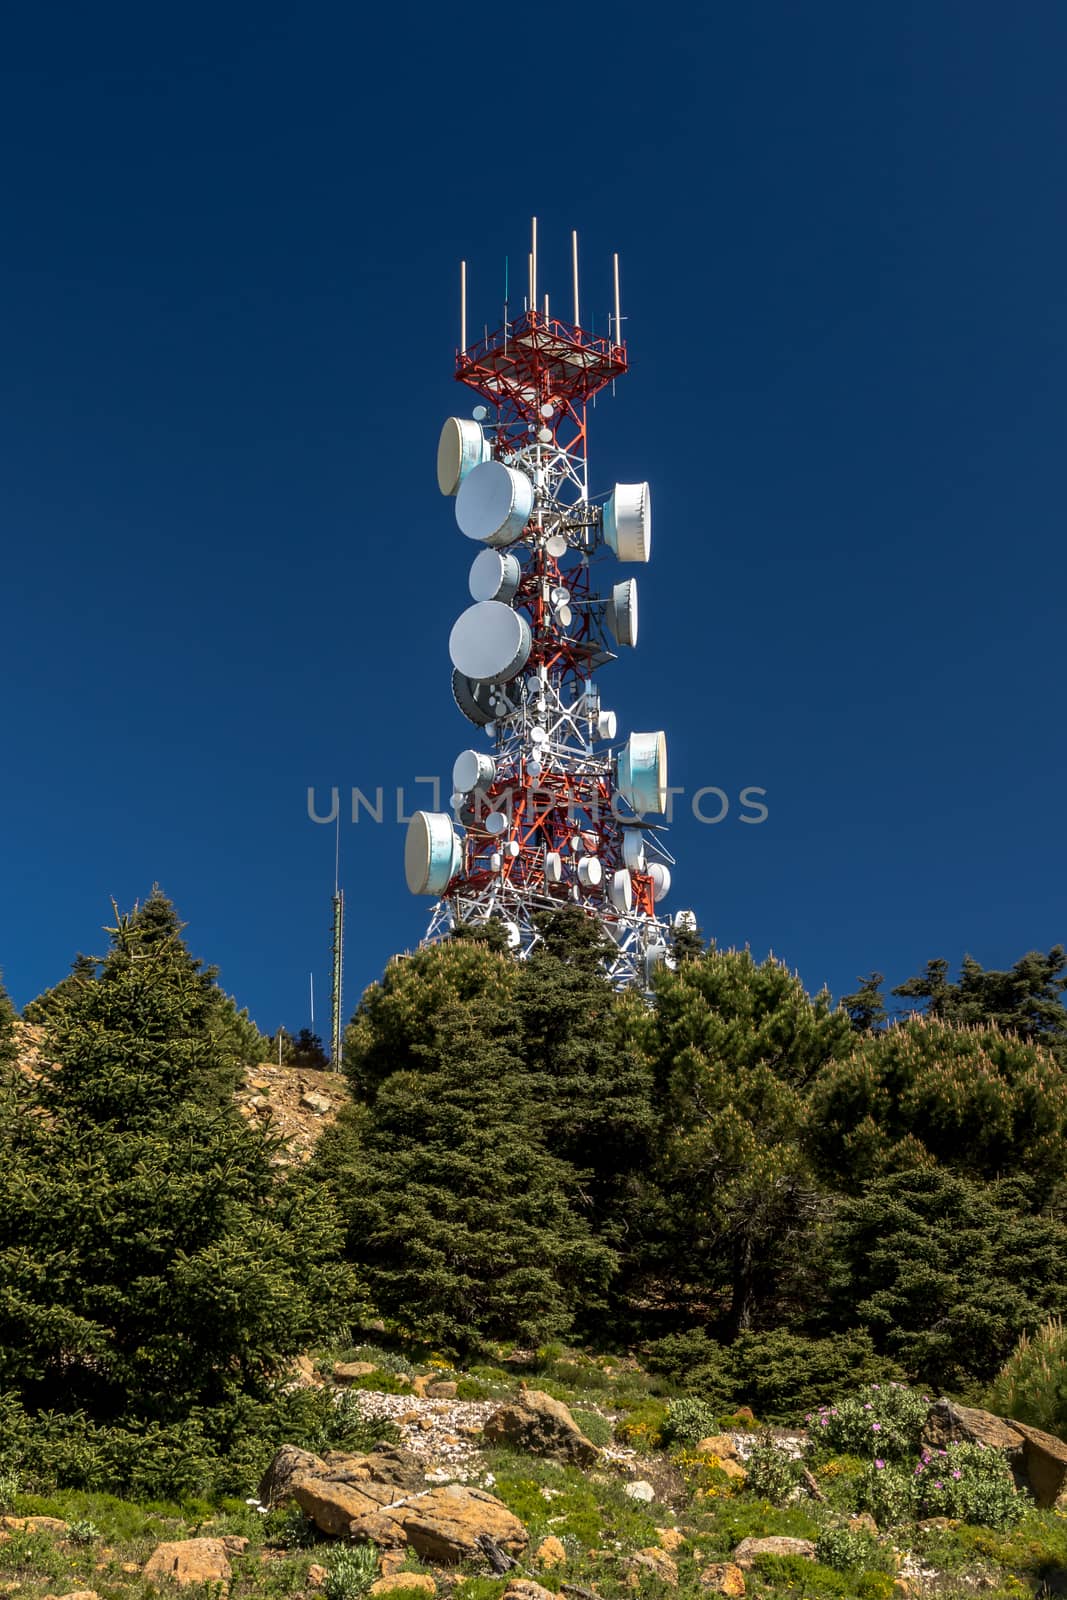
x: 574, y: 263
x: 618, y: 318
x: 311, y: 979
x: 337, y: 975
x: 533, y: 264
x: 463, y: 305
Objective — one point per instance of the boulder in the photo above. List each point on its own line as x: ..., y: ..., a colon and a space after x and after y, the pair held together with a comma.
x: 551, y: 1552
x: 863, y: 1522
x: 1044, y: 1466
x: 445, y: 1524
x: 723, y: 1577
x: 35, y: 1524
x: 544, y: 1426
x: 670, y: 1539
x: 656, y: 1561
x: 526, y: 1589
x: 349, y: 1371
x: 640, y: 1490
x: 405, y: 1580
x: 334, y: 1505
x: 316, y: 1575
x: 719, y: 1444
x: 276, y: 1484
x: 188, y: 1561
x: 947, y: 1422
x: 444, y: 1390
x: 386, y: 1463
x: 774, y: 1544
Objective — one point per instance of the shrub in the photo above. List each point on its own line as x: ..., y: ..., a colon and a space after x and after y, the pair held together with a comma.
x: 970, y: 1482
x: 10, y: 1484
x: 841, y: 1549
x: 384, y: 1360
x: 597, y: 1429
x: 688, y: 1421
x: 643, y: 1425
x: 350, y: 1571
x: 771, y: 1473
x: 884, y: 1422
x: 1032, y: 1383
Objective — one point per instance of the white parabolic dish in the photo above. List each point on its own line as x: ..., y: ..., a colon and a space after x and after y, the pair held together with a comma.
x: 494, y: 503
x: 494, y: 576
x: 628, y: 522
x: 489, y: 641
x: 432, y: 852
x: 461, y: 447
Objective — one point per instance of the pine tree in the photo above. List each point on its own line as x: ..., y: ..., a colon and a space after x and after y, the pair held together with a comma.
x: 734, y: 1046
x: 463, y: 1225
x: 924, y: 1093
x: 866, y: 1008
x: 150, y: 1258
x: 8, y: 1047
x: 1027, y: 1000
x: 48, y: 1005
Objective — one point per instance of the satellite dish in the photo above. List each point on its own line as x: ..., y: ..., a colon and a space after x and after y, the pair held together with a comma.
x: 564, y: 616
x: 490, y: 642
x: 544, y: 435
x: 496, y: 823
x: 686, y: 920
x: 661, y: 880
x: 633, y: 849
x: 433, y: 852
x: 494, y: 576
x: 556, y: 545
x: 496, y: 861
x: 461, y: 447
x: 655, y: 956
x: 606, y: 725
x: 480, y: 413
x: 553, y: 867
x: 513, y: 848
x: 472, y: 769
x: 590, y: 872
x: 620, y: 613
x: 512, y: 935
x: 641, y: 772
x: 621, y: 891
x: 472, y: 698
x: 628, y: 522
x: 538, y: 736
x: 494, y: 503
x: 533, y: 767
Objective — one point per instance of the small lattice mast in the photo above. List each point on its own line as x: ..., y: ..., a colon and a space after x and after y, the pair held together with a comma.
x: 556, y: 811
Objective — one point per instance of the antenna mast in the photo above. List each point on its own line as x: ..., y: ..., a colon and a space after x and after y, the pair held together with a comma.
x: 337, y: 979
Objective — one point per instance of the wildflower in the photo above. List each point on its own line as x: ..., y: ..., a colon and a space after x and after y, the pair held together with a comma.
x: 868, y: 1406
x: 876, y: 1427
x: 955, y: 1472
x: 939, y: 1484
x: 879, y: 1463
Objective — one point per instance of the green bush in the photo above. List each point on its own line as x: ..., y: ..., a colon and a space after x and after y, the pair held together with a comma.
x: 771, y: 1473
x: 842, y: 1549
x: 643, y: 1425
x: 884, y: 1421
x: 597, y: 1429
x: 688, y: 1421
x: 1032, y: 1383
x: 350, y: 1571
x: 384, y: 1360
x: 970, y: 1482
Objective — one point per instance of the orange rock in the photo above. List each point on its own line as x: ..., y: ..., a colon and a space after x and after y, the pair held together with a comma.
x: 723, y: 1577
x: 404, y: 1580
x: 316, y: 1575
x: 551, y: 1552
x: 656, y: 1561
x: 670, y: 1539
x: 187, y: 1561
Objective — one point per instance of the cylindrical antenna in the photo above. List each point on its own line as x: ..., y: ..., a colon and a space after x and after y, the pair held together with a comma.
x: 463, y: 305
x: 546, y: 308
x: 529, y: 269
x: 311, y: 979
x: 533, y: 262
x: 574, y: 263
x: 618, y: 316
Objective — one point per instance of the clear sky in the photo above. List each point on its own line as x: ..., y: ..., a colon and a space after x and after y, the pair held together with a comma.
x: 228, y: 300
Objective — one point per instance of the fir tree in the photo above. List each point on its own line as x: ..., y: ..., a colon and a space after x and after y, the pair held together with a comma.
x: 48, y: 1005
x: 150, y: 1258
x: 463, y: 1225
x: 1026, y: 1000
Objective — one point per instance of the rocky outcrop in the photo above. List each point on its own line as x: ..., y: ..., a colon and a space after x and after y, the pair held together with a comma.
x: 773, y: 1545
x: 1038, y: 1460
x: 276, y: 1484
x: 543, y: 1426
x: 655, y: 1561
x: 189, y: 1561
x: 723, y: 1577
x: 445, y: 1524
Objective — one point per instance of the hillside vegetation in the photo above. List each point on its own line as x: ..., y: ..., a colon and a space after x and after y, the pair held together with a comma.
x: 740, y: 1199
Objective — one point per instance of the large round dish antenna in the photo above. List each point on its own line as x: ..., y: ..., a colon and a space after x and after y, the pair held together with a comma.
x: 433, y: 852
x: 472, y: 769
x: 628, y: 522
x: 621, y: 612
x: 461, y: 447
x: 661, y: 880
x: 494, y: 503
x: 642, y: 772
x: 472, y: 698
x: 490, y: 642
x: 621, y: 891
x: 494, y: 576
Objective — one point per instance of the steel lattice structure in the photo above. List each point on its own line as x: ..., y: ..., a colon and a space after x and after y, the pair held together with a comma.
x: 557, y: 812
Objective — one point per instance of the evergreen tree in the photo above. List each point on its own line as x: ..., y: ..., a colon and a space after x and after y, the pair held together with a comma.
x: 924, y: 1092
x: 946, y: 1272
x: 8, y: 1047
x: 594, y: 1090
x: 1027, y: 1000
x: 48, y: 1005
x: 464, y: 1226
x: 866, y: 1008
x: 150, y: 1259
x: 734, y: 1046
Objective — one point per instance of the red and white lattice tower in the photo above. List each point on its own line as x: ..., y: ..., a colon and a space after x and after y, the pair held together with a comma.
x: 556, y: 811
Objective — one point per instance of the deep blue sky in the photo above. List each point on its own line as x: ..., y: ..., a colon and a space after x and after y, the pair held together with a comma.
x: 228, y: 271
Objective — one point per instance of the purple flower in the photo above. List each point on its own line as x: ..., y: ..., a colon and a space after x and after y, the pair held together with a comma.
x: 876, y: 1385
x: 876, y: 1427
x: 938, y: 1484
x: 880, y: 1464
x: 956, y: 1472
x: 868, y: 1406
x: 822, y: 1422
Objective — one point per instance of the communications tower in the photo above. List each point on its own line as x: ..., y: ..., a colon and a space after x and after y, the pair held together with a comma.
x: 556, y: 810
